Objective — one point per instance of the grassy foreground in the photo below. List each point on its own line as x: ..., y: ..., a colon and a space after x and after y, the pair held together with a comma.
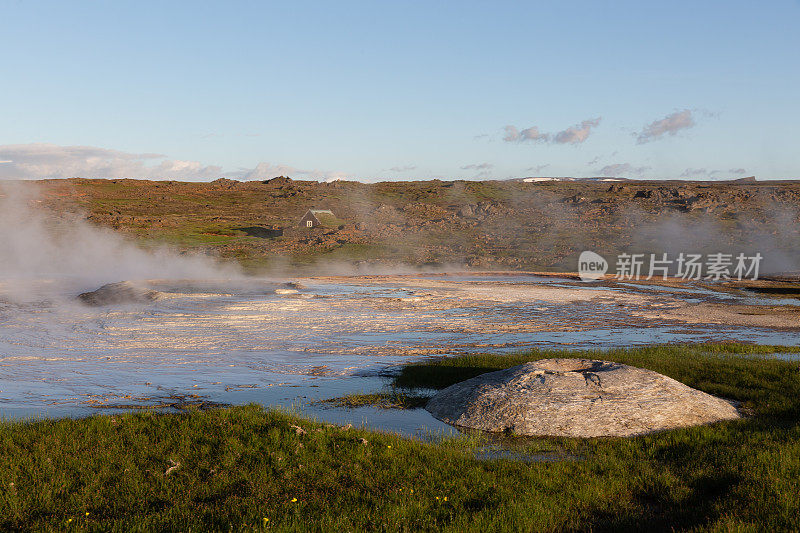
x: 245, y: 468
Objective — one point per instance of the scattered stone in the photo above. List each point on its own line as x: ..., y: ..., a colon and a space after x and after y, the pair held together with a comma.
x: 224, y: 183
x: 118, y: 293
x: 298, y: 430
x: 467, y: 210
x: 703, y: 203
x: 574, y: 199
x: 576, y: 398
x: 172, y: 468
x: 279, y: 180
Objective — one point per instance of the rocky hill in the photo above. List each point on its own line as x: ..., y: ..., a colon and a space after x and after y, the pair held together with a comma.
x: 473, y: 224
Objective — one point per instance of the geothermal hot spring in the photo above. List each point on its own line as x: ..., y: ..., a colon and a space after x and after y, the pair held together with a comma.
x: 273, y: 342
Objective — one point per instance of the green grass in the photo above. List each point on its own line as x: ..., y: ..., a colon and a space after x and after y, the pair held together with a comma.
x: 243, y: 464
x: 353, y: 252
x: 392, y: 399
x: 719, y: 367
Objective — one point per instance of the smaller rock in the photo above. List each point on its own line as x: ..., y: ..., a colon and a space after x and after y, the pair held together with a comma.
x: 575, y: 199
x: 118, y: 293
x: 467, y: 210
x: 298, y: 429
x: 279, y: 180
x: 174, y: 466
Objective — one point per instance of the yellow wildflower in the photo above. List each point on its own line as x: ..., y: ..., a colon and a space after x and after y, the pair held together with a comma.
x: 294, y: 500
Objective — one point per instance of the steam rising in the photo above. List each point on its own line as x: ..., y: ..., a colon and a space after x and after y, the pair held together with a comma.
x: 73, y: 255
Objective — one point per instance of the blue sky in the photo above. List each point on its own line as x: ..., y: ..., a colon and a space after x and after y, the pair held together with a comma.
x: 399, y: 90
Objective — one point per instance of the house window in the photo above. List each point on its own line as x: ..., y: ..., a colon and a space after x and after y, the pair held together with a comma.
x: 309, y: 223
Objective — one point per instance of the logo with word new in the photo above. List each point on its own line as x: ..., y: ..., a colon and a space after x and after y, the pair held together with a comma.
x: 686, y: 266
x: 591, y: 266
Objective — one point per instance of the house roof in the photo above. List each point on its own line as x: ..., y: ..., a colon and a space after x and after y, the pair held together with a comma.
x: 325, y: 217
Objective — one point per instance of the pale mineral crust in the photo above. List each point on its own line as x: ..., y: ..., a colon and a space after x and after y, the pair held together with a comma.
x: 576, y: 398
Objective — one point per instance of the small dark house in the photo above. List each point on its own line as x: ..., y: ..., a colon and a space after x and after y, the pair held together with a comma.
x: 318, y: 217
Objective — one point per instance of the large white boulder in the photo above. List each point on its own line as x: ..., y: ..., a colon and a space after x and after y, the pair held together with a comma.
x: 576, y: 398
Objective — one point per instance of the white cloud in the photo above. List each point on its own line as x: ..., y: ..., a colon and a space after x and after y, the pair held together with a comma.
x: 39, y: 161
x: 573, y: 135
x: 402, y: 168
x: 537, y: 168
x: 622, y: 169
x: 482, y: 170
x: 479, y: 166
x: 693, y: 172
x: 669, y: 125
x: 578, y: 133
x: 528, y: 134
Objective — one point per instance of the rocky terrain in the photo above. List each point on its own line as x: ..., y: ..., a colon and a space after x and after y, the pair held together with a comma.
x: 118, y: 293
x: 441, y: 224
x: 576, y: 398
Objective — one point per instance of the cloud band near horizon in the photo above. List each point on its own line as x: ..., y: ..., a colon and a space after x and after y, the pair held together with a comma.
x: 43, y: 161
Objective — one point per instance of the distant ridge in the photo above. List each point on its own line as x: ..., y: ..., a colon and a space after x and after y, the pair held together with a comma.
x: 542, y: 179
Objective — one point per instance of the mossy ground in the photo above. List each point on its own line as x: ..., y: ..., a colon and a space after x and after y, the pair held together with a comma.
x: 515, y: 225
